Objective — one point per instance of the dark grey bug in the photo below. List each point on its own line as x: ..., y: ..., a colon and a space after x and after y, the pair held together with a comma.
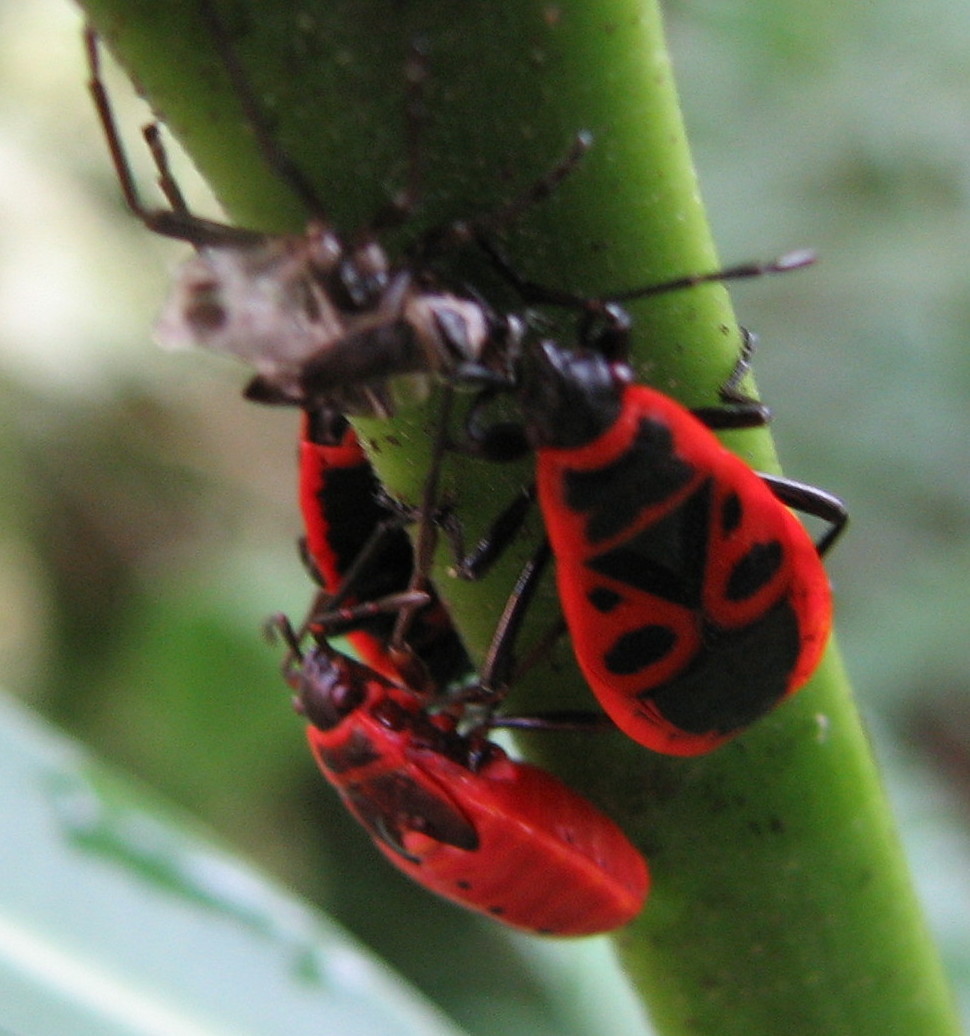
x: 322, y: 318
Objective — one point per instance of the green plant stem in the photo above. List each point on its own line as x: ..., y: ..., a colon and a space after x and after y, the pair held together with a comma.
x: 781, y: 902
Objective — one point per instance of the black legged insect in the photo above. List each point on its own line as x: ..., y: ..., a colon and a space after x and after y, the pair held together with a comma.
x: 695, y: 600
x: 605, y: 333
x: 323, y: 319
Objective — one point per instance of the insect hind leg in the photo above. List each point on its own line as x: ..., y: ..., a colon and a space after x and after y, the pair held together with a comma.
x: 109, y: 126
x: 176, y: 222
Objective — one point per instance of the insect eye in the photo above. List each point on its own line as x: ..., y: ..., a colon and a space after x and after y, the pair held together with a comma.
x: 326, y: 694
x: 390, y: 715
x: 371, y: 260
x: 326, y: 249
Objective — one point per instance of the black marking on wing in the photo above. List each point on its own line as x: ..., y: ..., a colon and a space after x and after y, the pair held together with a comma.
x: 639, y: 648
x: 614, y: 495
x: 393, y: 803
x: 737, y: 676
x: 755, y: 570
x: 350, y: 754
x: 667, y: 559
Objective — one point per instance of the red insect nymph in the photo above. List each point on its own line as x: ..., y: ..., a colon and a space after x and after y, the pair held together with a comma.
x: 458, y: 815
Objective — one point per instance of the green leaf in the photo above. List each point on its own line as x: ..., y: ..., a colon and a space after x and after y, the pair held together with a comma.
x: 117, y: 917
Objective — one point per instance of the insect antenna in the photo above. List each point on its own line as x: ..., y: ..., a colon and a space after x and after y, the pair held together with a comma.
x: 783, y: 264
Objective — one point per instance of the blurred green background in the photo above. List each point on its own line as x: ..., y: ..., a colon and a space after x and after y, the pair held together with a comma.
x: 148, y: 518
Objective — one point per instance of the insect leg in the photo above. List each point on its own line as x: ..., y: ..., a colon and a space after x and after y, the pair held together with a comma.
x: 814, y: 501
